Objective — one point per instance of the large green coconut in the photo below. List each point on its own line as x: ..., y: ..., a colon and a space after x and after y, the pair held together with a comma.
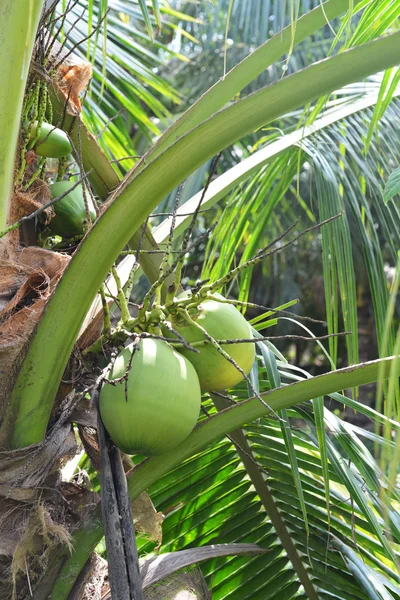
x: 162, y: 404
x: 222, y: 322
x: 70, y: 212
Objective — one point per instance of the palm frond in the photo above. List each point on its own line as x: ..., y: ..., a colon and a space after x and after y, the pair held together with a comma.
x: 210, y: 498
x: 126, y: 94
x: 345, y: 179
x: 255, y: 21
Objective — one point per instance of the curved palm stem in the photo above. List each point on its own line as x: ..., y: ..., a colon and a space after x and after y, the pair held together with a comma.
x: 19, y: 24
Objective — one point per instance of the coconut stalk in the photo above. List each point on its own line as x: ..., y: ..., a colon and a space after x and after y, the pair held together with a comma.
x: 19, y: 21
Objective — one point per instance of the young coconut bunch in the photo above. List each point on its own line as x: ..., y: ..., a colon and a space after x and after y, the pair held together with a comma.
x: 192, y: 342
x: 47, y: 153
x: 178, y: 347
x: 39, y: 139
x: 158, y: 378
x: 195, y: 342
x: 151, y: 398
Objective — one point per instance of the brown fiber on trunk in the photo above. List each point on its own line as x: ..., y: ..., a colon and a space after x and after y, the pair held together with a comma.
x: 27, y: 278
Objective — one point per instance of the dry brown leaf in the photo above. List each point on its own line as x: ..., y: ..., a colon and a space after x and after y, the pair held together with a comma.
x: 27, y: 278
x: 189, y: 585
x: 23, y: 204
x: 71, y: 80
x: 147, y: 520
x: 23, y: 471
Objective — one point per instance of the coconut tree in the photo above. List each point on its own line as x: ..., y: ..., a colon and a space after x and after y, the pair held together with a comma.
x: 321, y: 506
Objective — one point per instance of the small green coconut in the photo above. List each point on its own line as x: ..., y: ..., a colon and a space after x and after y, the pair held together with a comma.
x: 222, y: 322
x: 52, y: 142
x: 162, y: 404
x: 70, y: 212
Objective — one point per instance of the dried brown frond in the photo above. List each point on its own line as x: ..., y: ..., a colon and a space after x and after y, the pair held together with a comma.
x: 27, y: 278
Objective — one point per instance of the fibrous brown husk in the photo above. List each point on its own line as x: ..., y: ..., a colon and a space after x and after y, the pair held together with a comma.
x: 22, y: 285
x: 92, y: 582
x: 32, y: 510
x: 27, y: 278
x: 52, y: 263
x: 24, y: 471
x: 23, y: 204
x: 43, y: 538
x: 72, y: 77
x: 38, y: 511
x: 187, y: 585
x: 39, y: 534
x: 26, y: 270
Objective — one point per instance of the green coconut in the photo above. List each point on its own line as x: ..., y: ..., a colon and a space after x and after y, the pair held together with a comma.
x: 70, y: 212
x: 52, y: 142
x: 162, y: 403
x: 222, y: 322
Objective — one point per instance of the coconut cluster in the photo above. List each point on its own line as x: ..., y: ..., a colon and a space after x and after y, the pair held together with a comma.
x: 70, y: 212
x: 152, y: 399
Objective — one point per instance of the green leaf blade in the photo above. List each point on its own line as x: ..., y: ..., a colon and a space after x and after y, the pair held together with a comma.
x: 392, y: 187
